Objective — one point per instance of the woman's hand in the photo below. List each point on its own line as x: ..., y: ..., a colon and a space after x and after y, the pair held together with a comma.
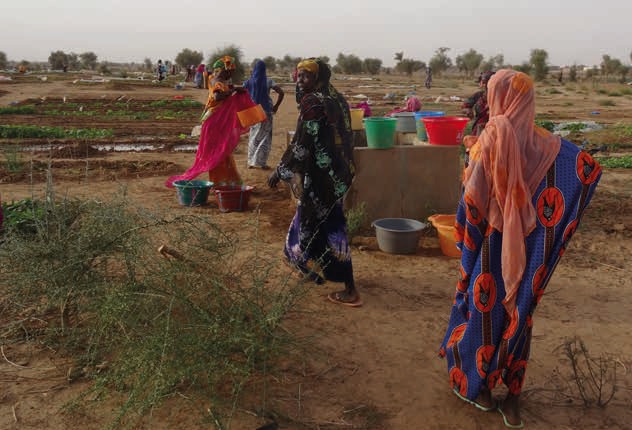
x: 273, y: 179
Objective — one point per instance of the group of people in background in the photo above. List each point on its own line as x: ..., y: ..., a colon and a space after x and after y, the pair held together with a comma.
x: 166, y: 68
x: 525, y: 191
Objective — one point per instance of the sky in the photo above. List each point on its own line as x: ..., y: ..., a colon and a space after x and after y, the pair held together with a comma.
x: 578, y: 31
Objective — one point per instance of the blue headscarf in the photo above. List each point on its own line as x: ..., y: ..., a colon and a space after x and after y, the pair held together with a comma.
x: 257, y: 86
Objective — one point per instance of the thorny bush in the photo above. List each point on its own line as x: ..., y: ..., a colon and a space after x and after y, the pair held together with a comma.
x: 203, y: 320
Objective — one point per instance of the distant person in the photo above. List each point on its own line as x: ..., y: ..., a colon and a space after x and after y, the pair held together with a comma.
x: 64, y: 68
x: 22, y: 69
x: 413, y: 104
x: 221, y: 128
x: 525, y: 192
x: 161, y: 71
x: 260, y: 142
x: 475, y: 107
x: 199, y: 76
x: 205, y: 76
x: 365, y: 106
x: 317, y: 236
x: 428, y: 82
x: 190, y: 73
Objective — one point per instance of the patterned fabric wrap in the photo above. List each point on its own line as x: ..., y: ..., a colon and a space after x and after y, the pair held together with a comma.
x: 216, y: 85
x: 337, y: 109
x: 506, y: 164
x: 323, y: 178
x: 320, y: 250
x: 485, y: 344
x: 225, y: 63
x: 260, y: 143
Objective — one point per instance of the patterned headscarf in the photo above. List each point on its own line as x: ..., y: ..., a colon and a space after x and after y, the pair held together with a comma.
x: 225, y: 63
x: 507, y: 164
x: 257, y: 86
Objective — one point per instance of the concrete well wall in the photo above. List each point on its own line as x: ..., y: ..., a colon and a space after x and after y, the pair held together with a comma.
x: 406, y: 181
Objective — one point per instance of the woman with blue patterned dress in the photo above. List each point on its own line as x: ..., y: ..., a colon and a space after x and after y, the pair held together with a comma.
x: 525, y: 191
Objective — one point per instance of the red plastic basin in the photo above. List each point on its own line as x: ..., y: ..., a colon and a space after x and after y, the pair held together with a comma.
x: 445, y: 130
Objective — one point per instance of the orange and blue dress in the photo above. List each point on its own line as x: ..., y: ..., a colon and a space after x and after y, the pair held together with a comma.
x: 484, y: 345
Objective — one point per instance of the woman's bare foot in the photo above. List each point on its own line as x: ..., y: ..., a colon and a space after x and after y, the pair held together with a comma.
x: 485, y: 398
x: 511, y: 411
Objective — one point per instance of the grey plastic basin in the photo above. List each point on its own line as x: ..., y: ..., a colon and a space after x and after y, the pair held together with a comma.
x: 398, y: 235
x: 405, y: 122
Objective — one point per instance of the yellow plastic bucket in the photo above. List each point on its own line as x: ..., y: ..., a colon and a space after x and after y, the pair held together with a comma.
x: 445, y: 227
x: 251, y: 116
x: 356, y: 118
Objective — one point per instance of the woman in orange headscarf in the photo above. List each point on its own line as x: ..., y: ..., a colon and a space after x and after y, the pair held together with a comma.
x: 525, y: 191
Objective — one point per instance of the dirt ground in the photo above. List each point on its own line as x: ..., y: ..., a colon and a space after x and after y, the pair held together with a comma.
x: 376, y: 367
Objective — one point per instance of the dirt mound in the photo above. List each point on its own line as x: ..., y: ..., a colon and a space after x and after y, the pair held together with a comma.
x: 96, y: 169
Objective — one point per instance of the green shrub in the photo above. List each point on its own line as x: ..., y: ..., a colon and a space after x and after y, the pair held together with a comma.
x: 13, y: 158
x: 17, y: 110
x: 204, y: 321
x: 34, y: 131
x: 546, y: 124
x: 356, y: 217
x: 574, y: 127
x: 607, y: 103
x: 22, y: 216
x: 624, y: 162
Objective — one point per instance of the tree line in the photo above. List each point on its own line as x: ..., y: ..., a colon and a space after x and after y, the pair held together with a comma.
x: 468, y: 63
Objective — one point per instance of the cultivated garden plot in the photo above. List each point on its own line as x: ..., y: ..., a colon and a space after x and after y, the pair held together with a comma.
x: 98, y: 329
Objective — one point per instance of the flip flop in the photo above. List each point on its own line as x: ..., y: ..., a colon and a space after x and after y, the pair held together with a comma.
x: 333, y: 297
x: 507, y: 423
x: 472, y: 402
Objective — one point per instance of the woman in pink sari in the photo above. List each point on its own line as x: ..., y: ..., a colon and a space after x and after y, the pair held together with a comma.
x: 220, y: 128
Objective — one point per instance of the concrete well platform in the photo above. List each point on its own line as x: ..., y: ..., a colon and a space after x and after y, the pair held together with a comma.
x: 409, y: 181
